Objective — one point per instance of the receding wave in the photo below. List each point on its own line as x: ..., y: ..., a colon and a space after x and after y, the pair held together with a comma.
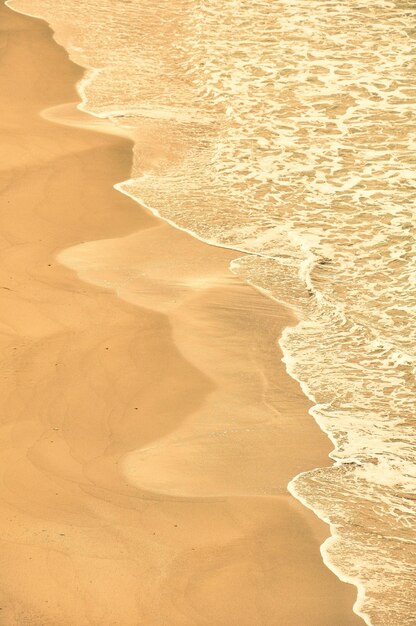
x: 286, y: 130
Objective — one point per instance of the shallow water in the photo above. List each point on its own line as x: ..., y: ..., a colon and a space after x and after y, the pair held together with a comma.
x: 286, y: 130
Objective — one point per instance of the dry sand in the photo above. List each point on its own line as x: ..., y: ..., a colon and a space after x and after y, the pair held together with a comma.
x: 149, y: 428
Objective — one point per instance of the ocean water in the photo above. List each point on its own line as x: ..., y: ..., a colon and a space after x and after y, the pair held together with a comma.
x: 286, y: 130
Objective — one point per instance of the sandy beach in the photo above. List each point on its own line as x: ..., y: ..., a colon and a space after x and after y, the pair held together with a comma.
x: 149, y: 428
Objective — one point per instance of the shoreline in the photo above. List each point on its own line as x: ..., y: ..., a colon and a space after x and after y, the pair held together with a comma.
x: 189, y: 285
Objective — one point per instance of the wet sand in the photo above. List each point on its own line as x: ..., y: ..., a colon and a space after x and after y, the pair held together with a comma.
x: 149, y: 429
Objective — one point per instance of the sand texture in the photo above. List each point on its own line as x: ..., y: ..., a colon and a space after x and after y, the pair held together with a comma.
x: 149, y: 428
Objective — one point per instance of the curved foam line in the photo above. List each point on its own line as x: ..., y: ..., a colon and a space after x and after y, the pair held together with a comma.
x: 326, y: 556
